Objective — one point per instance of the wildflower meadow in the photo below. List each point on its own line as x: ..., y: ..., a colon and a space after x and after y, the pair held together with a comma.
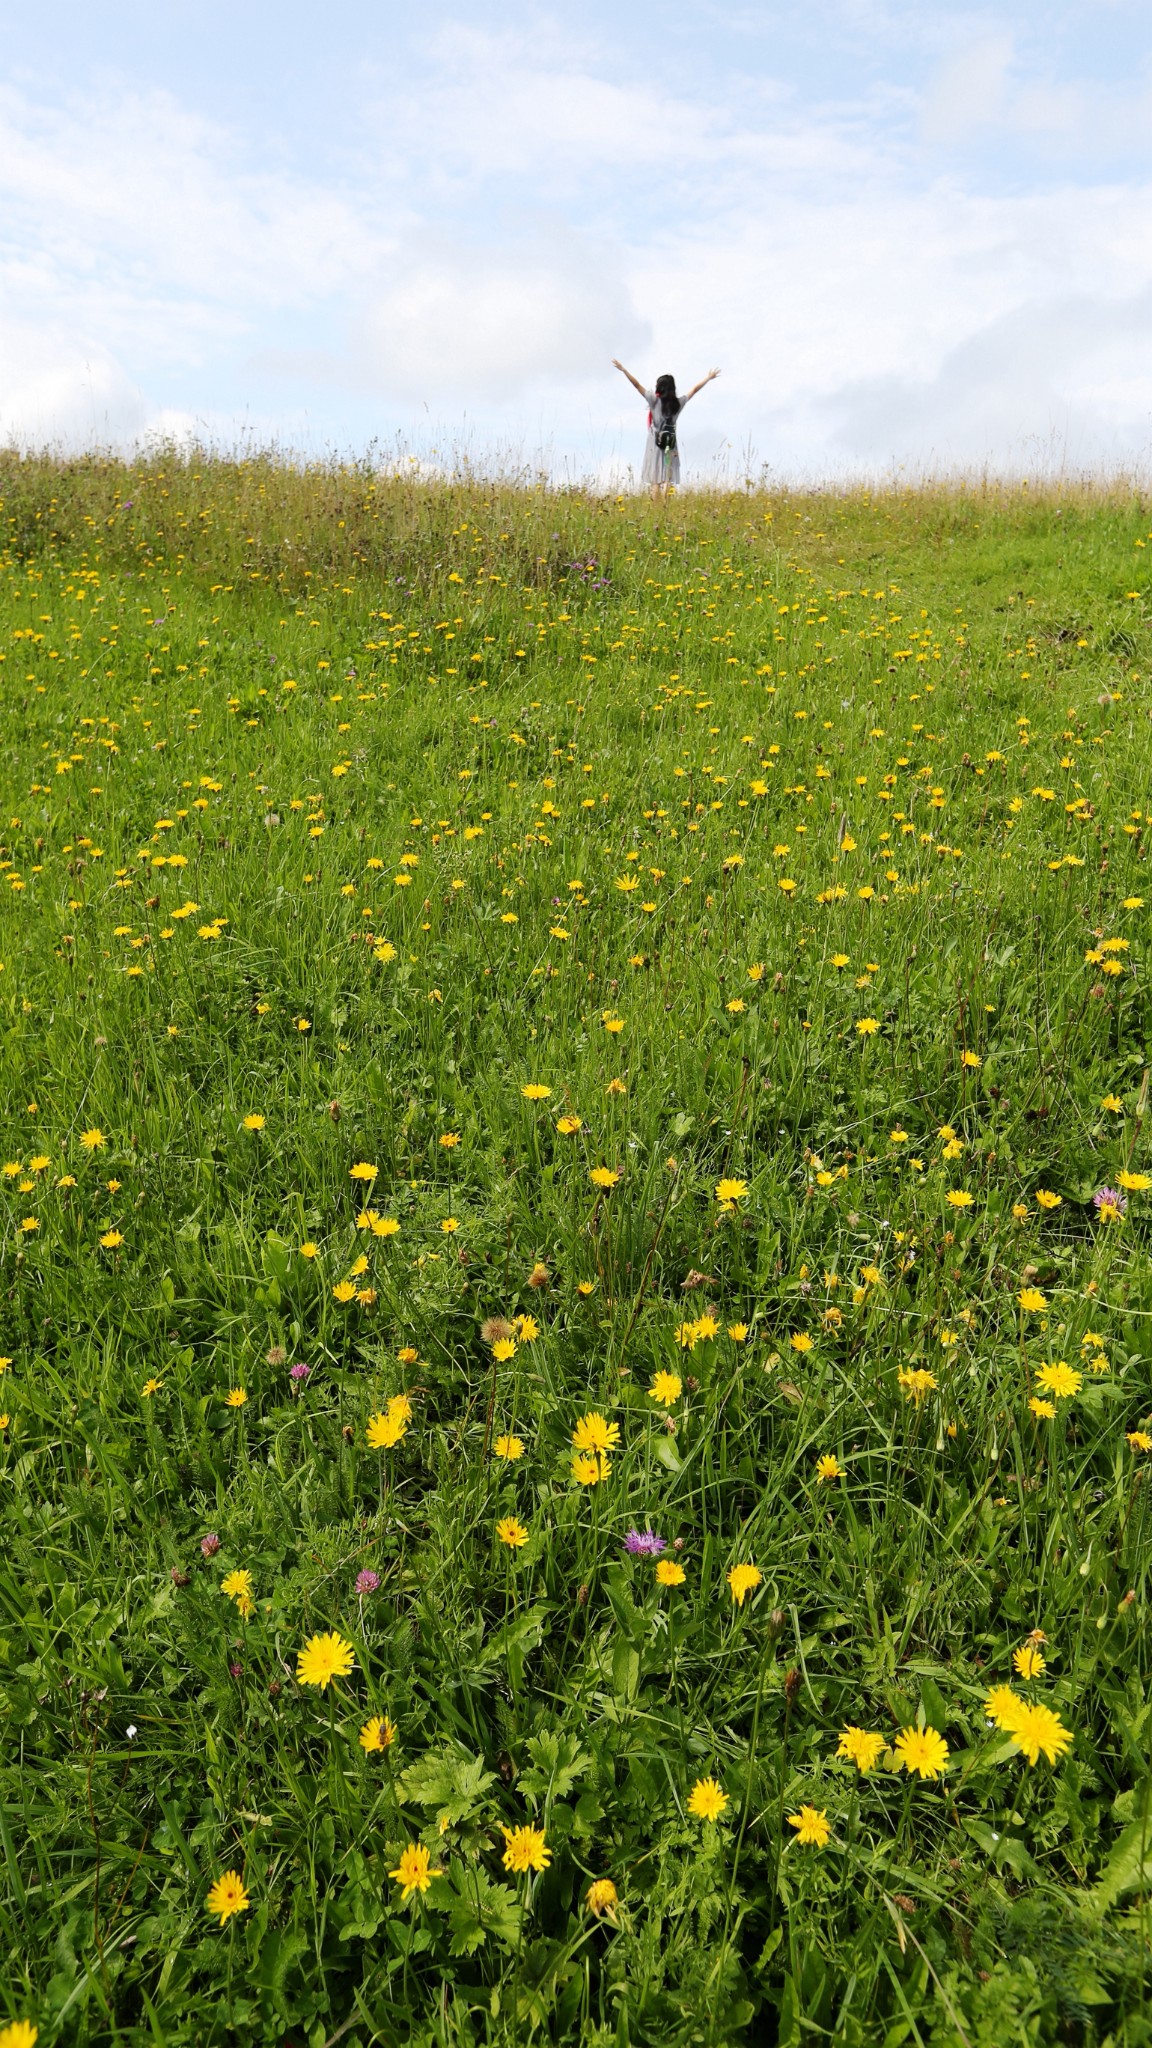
x: 576, y: 1330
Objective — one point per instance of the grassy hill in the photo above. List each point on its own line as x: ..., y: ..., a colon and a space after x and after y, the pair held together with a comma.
x: 577, y: 1316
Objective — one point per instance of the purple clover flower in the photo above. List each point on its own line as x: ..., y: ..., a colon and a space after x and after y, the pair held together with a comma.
x: 209, y: 1544
x: 1110, y: 1203
x: 299, y: 1372
x: 366, y: 1582
x: 647, y: 1544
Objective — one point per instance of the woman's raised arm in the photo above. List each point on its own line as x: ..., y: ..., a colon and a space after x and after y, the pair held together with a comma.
x: 634, y: 381
x: 696, y: 387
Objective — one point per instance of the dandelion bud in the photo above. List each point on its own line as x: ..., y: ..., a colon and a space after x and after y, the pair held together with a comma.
x: 334, y: 1111
x: 775, y: 1623
x: 791, y: 1683
x: 581, y: 1596
x: 1125, y: 1603
x: 348, y: 1433
x: 274, y: 1689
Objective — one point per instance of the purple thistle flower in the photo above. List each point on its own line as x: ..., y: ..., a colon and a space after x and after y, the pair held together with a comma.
x: 1110, y: 1203
x: 209, y: 1544
x: 366, y: 1582
x: 646, y: 1545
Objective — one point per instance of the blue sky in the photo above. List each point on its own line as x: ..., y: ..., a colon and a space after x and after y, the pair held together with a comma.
x: 913, y: 237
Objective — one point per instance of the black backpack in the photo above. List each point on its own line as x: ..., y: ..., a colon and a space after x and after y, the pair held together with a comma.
x: 664, y: 430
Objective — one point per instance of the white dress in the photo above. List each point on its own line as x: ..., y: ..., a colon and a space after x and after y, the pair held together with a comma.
x: 659, y: 467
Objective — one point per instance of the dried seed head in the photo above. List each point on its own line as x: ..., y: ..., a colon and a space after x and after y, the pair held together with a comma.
x: 276, y: 1355
x: 581, y: 1596
x: 495, y: 1330
x: 539, y: 1276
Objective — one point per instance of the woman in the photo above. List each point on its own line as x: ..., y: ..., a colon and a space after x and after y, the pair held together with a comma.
x: 662, y: 456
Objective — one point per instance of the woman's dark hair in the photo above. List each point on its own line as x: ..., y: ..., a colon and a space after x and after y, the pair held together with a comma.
x: 666, y: 393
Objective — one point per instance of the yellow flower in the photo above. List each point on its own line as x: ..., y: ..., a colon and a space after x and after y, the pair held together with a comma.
x: 828, y: 1467
x: 253, y: 1123
x: 535, y: 1091
x: 666, y: 1388
x: 19, y: 2034
x: 236, y: 1397
x: 861, y: 1748
x: 1002, y: 1706
x: 1043, y: 1410
x: 362, y: 1171
x: 669, y: 1573
x: 603, y: 1177
x: 1031, y: 1299
x: 510, y: 1447
x: 524, y: 1849
x: 344, y: 1291
x: 1139, y: 1439
x: 707, y: 1800
x: 383, y: 1432
x: 602, y: 1897
x: 959, y: 1198
x: 324, y: 1658
x: 112, y: 1240
x: 731, y: 1190
x: 970, y: 1059
x: 385, y: 1226
x: 1036, y: 1728
x: 916, y: 1382
x: 377, y: 1734
x: 529, y: 1329
x: 867, y: 1025
x: 811, y: 1825
x: 228, y: 1896
x: 738, y: 1332
x: 413, y: 1873
x: 1029, y: 1661
x: 1059, y: 1380
x: 594, y: 1433
x: 92, y: 1140
x: 449, y: 1139
x: 921, y: 1750
x: 568, y: 1126
x: 308, y: 1250
x: 801, y: 1341
x: 237, y: 1585
x: 590, y: 1467
x: 743, y: 1579
x: 1047, y: 1200
x: 512, y: 1532
x: 1135, y: 1183
x: 149, y: 1388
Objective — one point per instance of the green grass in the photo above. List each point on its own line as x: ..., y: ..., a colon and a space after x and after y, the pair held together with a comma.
x: 376, y: 732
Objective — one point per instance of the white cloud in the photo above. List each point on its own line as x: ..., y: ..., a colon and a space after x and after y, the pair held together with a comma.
x: 488, y: 322
x: 54, y: 391
x: 968, y: 92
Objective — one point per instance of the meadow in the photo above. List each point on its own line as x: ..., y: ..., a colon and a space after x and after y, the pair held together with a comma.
x: 577, y: 1317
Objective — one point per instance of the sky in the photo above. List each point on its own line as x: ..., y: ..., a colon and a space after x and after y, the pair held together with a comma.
x: 914, y: 238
